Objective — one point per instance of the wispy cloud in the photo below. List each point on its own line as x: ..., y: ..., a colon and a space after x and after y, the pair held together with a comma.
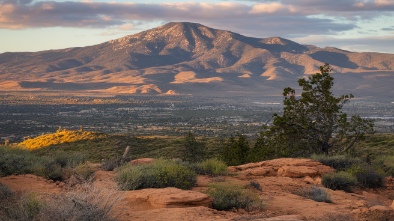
x: 262, y: 18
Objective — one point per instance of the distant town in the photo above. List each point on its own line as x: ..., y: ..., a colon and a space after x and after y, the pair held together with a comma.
x: 30, y: 114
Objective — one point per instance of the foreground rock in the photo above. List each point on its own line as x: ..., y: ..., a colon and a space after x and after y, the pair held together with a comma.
x: 279, y: 180
x: 171, y: 197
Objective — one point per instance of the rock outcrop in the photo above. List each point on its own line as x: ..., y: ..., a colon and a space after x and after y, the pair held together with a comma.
x: 284, y: 167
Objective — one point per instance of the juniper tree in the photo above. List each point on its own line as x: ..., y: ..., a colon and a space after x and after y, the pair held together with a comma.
x: 313, y: 122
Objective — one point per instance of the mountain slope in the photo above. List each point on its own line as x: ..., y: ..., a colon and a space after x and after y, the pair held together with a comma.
x: 190, y: 58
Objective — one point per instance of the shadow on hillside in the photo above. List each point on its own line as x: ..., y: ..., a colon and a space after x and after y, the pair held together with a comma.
x: 334, y: 58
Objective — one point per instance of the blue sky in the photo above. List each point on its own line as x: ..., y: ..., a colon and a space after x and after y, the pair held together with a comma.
x: 355, y: 25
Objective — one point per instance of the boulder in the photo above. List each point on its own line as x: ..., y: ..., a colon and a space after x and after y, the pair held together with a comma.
x: 171, y: 197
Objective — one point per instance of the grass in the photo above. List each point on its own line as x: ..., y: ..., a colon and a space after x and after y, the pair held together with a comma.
x: 86, y: 203
x: 376, y: 145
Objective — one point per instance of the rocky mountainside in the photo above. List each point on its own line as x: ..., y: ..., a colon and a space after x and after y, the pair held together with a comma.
x: 189, y: 58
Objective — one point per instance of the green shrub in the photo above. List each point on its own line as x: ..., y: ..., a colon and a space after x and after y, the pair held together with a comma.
x: 339, y: 181
x: 338, y: 162
x: 368, y: 177
x: 229, y: 196
x: 386, y: 164
x: 69, y: 159
x: 84, y: 171
x: 211, y: 167
x: 315, y: 193
x: 159, y: 174
x: 14, y: 161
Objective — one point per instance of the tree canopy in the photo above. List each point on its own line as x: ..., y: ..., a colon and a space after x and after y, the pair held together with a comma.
x: 312, y: 122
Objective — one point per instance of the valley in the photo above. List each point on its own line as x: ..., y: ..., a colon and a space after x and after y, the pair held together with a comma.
x: 29, y: 115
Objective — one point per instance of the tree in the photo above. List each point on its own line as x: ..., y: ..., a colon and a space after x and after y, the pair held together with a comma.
x: 235, y: 151
x: 314, y: 122
x: 194, y: 150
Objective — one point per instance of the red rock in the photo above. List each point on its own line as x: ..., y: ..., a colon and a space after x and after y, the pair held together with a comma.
x: 297, y: 171
x: 171, y: 197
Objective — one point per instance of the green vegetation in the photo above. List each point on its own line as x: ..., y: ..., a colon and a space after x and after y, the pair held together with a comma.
x: 211, y: 167
x: 339, y: 181
x: 193, y: 150
x: 227, y: 196
x: 338, y: 162
x: 235, y: 151
x: 15, y: 161
x: 161, y: 173
x: 368, y: 174
x: 309, y: 122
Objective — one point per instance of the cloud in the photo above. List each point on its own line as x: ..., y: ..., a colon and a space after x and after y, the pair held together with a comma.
x: 363, y: 44
x: 285, y: 18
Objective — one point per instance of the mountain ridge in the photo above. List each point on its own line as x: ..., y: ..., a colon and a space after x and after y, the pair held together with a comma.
x: 191, y: 58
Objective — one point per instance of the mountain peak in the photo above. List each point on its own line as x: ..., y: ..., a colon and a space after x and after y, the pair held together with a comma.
x: 184, y: 57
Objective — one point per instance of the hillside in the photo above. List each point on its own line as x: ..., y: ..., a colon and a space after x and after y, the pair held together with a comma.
x: 189, y: 58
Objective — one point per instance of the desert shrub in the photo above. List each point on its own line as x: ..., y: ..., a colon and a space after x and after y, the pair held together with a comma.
x: 211, y: 167
x: 339, y: 181
x: 386, y: 164
x: 22, y: 208
x: 87, y: 203
x: 230, y: 196
x: 84, y: 171
x: 14, y: 161
x: 338, y: 162
x: 111, y: 164
x: 315, y: 193
x: 159, y: 174
x: 68, y: 159
x: 367, y: 176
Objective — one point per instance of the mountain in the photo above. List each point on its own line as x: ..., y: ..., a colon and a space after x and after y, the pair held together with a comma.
x: 189, y: 58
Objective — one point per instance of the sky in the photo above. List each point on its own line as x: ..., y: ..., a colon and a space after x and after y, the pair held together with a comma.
x: 354, y: 25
